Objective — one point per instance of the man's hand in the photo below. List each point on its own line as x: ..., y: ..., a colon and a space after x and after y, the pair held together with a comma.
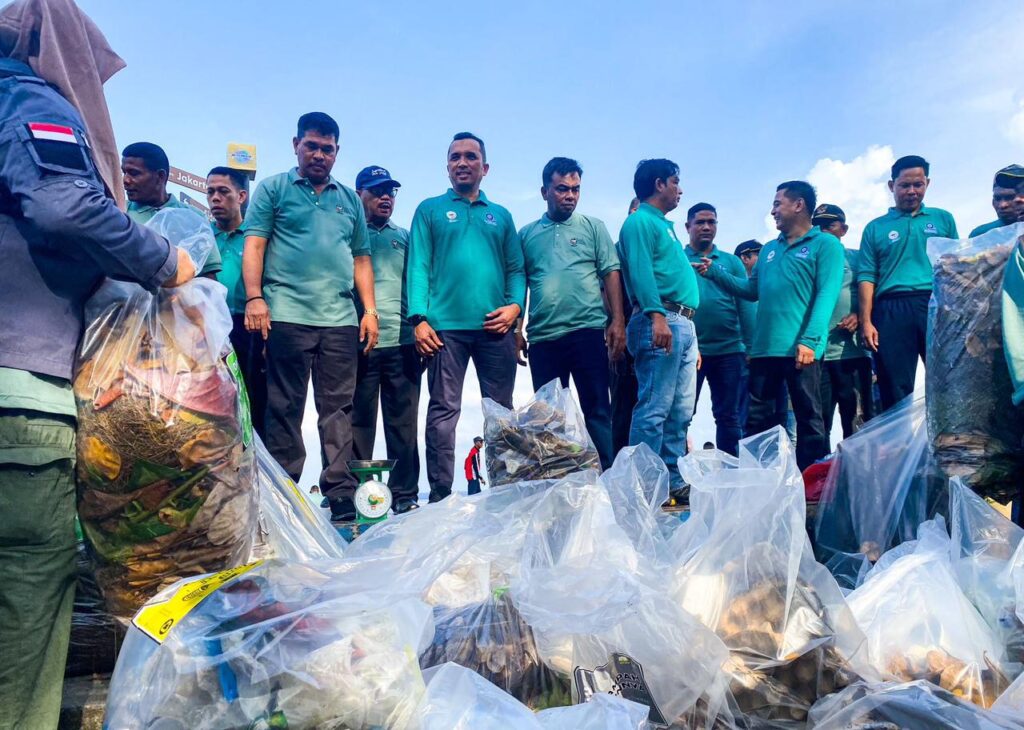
x: 661, y: 333
x: 257, y: 317
x: 804, y: 356
x: 186, y: 270
x: 615, y: 339
x: 700, y: 360
x: 703, y: 266
x: 869, y: 334
x: 501, y: 319
x: 369, y: 331
x: 428, y: 343
x: 522, y: 351
x: 849, y: 323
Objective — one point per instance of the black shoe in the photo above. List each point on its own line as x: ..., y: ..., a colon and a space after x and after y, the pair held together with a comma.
x: 404, y: 505
x: 343, y: 510
x: 679, y: 497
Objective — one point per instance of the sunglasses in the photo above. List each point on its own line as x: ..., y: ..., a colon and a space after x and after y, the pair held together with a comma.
x: 380, y: 192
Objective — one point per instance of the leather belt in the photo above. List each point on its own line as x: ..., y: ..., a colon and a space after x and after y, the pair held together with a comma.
x: 687, y: 312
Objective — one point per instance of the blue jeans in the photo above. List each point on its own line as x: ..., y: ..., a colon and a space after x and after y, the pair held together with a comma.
x: 667, y: 388
x: 583, y: 355
x: 724, y: 373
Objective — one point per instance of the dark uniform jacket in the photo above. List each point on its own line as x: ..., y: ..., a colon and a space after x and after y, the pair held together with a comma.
x: 60, y: 234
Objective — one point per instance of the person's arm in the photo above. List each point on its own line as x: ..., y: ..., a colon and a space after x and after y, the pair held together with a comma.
x: 638, y: 242
x: 502, y: 319
x: 369, y: 329
x: 476, y: 467
x: 851, y: 320
x: 1013, y: 322
x: 608, y: 268
x: 738, y: 285
x: 747, y: 310
x: 952, y: 227
x: 867, y: 276
x: 828, y: 280
x: 257, y: 313
x: 417, y: 280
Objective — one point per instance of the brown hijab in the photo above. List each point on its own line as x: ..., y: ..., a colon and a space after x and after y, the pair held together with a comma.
x: 65, y: 48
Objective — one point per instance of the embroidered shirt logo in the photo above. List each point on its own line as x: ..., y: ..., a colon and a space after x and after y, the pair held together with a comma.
x: 452, y: 215
x: 930, y: 228
x: 489, y: 219
x: 803, y: 253
x: 771, y: 255
x: 894, y: 235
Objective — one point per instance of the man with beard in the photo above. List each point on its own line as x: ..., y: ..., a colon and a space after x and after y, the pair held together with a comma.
x: 306, y: 250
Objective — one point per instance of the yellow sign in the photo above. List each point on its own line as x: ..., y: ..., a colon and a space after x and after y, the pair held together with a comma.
x: 242, y: 156
x: 157, y: 619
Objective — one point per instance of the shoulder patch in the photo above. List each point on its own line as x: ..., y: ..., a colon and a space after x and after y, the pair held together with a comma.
x: 52, y: 132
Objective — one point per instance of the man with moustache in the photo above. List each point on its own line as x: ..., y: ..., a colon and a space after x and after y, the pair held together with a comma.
x: 466, y: 287
x: 1007, y: 198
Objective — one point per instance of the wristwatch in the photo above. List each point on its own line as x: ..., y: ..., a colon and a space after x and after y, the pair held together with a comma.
x: 373, y: 312
x: 416, y: 319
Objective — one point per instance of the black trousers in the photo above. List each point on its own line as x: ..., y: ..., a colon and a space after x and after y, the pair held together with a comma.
x: 846, y: 384
x: 901, y: 319
x: 252, y: 361
x: 804, y: 385
x: 624, y: 394
x: 294, y: 352
x: 390, y: 377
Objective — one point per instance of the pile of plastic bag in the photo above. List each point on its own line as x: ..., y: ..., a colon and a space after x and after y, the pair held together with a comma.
x: 975, y: 430
x: 545, y: 439
x: 165, y: 480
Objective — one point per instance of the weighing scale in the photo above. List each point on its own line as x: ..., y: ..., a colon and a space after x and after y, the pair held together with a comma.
x: 373, y: 497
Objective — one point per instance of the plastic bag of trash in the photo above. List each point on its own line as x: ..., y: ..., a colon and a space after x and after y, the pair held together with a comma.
x: 755, y: 583
x: 917, y: 704
x: 165, y: 475
x: 975, y: 430
x: 601, y: 712
x: 882, y: 485
x: 275, y: 644
x: 1011, y: 702
x: 96, y: 636
x: 290, y: 526
x: 545, y: 439
x: 920, y: 625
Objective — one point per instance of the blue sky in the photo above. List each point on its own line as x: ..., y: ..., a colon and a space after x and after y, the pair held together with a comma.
x: 742, y: 95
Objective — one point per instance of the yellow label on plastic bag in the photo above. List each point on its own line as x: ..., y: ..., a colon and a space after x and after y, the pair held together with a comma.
x: 157, y: 619
x: 302, y: 502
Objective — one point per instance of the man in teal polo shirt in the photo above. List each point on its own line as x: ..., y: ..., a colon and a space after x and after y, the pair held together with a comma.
x: 227, y: 193
x: 466, y: 287
x: 145, y: 168
x: 1007, y: 198
x: 846, y: 376
x: 390, y: 374
x: 725, y: 326
x: 895, y: 279
x: 568, y: 257
x: 660, y: 334
x: 796, y: 283
x: 306, y: 249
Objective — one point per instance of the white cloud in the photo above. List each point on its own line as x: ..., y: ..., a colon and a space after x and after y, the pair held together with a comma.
x: 859, y: 187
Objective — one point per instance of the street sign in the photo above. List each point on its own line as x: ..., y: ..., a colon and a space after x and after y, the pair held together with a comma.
x: 242, y: 157
x: 187, y: 180
x: 188, y: 200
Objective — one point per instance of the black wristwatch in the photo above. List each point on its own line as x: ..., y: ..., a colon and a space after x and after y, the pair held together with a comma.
x: 416, y: 319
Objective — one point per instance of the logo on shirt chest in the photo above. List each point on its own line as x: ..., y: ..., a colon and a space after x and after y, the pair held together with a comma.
x: 452, y: 216
x: 803, y: 253
x: 930, y: 228
x: 489, y: 219
x: 771, y: 256
x: 894, y: 236
x: 573, y: 242
x: 395, y: 244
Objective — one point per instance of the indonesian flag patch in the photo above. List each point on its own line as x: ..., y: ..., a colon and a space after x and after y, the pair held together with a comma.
x: 52, y: 132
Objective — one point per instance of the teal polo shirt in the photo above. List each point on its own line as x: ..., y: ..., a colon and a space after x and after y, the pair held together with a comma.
x: 1013, y: 322
x: 230, y: 244
x: 844, y: 345
x: 465, y: 260
x: 656, y: 267
x: 986, y: 227
x: 796, y: 286
x: 893, y: 249
x: 312, y: 239
x: 724, y: 321
x: 388, y: 247
x: 142, y: 214
x: 565, y: 263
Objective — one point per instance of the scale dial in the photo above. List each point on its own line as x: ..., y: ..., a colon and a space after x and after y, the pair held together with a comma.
x: 373, y: 500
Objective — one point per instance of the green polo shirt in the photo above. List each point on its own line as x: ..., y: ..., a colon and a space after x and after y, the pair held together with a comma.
x: 985, y: 228
x: 656, y: 267
x: 388, y: 248
x: 1013, y: 322
x: 844, y: 345
x: 142, y: 214
x: 796, y: 286
x: 311, y: 241
x: 565, y: 263
x: 230, y: 244
x: 465, y: 260
x: 724, y: 321
x: 893, y: 249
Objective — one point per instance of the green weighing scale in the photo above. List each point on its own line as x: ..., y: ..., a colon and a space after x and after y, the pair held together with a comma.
x: 373, y: 497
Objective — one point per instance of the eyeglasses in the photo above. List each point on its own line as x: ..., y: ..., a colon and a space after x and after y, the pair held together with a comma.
x: 380, y: 192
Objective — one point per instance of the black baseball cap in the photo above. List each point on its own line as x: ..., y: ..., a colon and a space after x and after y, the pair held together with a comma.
x: 1009, y: 177
x: 478, y: 438
x: 750, y: 245
x: 826, y: 213
x: 373, y: 176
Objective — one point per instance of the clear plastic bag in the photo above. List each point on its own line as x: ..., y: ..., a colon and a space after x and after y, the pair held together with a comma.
x: 457, y: 698
x: 165, y: 481
x: 920, y: 625
x: 600, y: 712
x: 96, y: 636
x: 291, y: 527
x: 888, y: 705
x: 975, y: 430
x: 882, y: 485
x: 754, y: 581
x: 276, y: 645
x: 545, y: 439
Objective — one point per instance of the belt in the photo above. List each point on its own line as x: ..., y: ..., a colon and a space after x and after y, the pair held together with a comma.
x: 682, y: 309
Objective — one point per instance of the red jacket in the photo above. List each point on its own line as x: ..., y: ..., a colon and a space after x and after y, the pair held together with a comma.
x: 473, y: 464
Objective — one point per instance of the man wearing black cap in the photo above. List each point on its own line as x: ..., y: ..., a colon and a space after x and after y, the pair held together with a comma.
x: 473, y: 476
x: 391, y: 372
x: 1007, y: 198
x: 748, y: 251
x: 846, y: 367
x: 895, y: 279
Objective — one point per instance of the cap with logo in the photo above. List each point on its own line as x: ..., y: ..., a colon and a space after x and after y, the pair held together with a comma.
x: 826, y: 214
x: 1009, y: 177
x: 747, y: 246
x: 371, y: 177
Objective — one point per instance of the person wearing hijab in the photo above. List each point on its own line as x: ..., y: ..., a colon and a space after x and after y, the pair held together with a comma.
x: 62, y: 233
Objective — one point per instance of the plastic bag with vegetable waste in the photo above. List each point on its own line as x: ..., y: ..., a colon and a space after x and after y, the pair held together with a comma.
x: 165, y: 478
x: 545, y: 439
x: 975, y: 430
